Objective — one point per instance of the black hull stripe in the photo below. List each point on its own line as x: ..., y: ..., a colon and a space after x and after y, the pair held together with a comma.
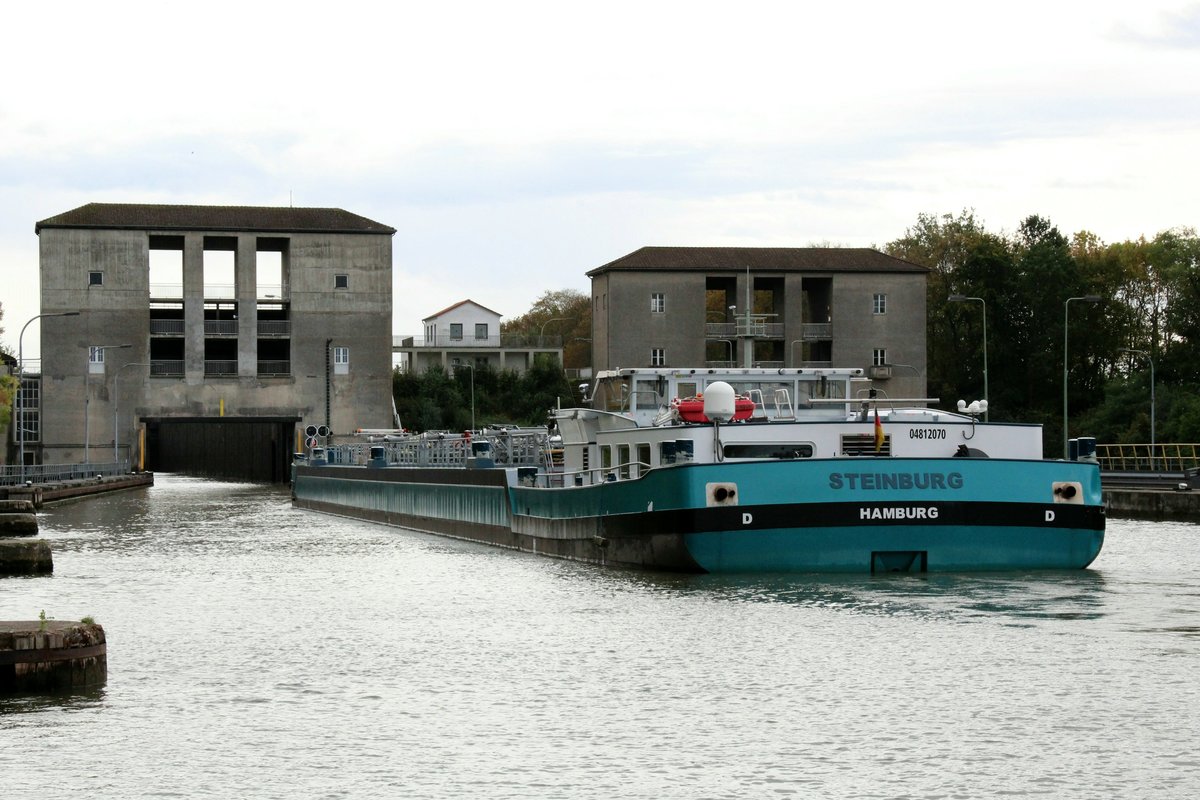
x: 845, y: 515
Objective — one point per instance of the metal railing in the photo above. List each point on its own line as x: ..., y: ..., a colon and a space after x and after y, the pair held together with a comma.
x: 14, y: 475
x: 216, y: 369
x: 274, y: 327
x: 274, y: 369
x: 1139, y: 457
x: 166, y: 369
x: 516, y: 340
x: 220, y: 327
x: 166, y: 327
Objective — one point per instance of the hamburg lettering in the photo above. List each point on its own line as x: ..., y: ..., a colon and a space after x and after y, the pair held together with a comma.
x: 896, y: 512
x: 874, y: 481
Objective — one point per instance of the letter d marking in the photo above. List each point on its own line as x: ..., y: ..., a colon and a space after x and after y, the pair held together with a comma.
x: 1049, y: 516
x: 747, y: 518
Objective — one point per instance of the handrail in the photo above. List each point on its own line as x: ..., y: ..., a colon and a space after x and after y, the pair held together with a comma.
x: 1168, y: 457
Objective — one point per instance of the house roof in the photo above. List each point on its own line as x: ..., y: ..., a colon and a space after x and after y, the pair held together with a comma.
x: 456, y: 305
x: 758, y: 259
x: 266, y: 219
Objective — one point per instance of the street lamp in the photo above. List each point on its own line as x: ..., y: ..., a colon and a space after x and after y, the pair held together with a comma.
x: 116, y: 406
x: 962, y: 298
x: 20, y: 378
x: 87, y: 399
x: 542, y: 331
x: 1089, y: 298
x: 1149, y: 358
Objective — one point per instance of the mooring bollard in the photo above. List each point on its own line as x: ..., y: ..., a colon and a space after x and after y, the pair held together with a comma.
x: 51, y: 656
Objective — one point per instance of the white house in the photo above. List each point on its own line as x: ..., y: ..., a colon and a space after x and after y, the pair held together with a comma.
x: 468, y: 333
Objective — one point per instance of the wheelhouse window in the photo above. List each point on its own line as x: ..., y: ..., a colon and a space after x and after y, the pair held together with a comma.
x: 879, y: 304
x: 658, y: 303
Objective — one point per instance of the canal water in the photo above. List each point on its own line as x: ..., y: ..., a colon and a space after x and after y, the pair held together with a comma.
x: 257, y: 651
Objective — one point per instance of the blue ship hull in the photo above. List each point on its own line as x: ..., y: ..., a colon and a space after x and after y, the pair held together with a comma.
x: 819, y: 515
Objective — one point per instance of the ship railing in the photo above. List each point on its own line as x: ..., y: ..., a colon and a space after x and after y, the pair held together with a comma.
x: 522, y: 447
x: 593, y: 475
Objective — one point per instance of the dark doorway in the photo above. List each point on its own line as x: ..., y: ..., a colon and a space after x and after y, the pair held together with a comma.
x: 249, y: 449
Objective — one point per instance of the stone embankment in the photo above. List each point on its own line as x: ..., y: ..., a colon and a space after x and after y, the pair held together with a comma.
x: 1153, y: 503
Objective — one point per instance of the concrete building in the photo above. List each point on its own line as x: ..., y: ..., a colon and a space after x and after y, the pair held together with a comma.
x: 746, y: 306
x: 217, y: 332
x: 468, y: 333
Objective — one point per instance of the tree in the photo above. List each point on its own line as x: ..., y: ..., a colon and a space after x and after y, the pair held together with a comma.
x: 566, y: 313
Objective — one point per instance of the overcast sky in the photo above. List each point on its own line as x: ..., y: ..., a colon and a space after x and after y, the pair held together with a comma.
x: 516, y: 145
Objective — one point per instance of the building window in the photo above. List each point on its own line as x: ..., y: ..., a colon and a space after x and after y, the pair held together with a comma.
x: 878, y: 357
x: 341, y: 360
x: 658, y: 357
x: 879, y: 305
x: 341, y: 281
x: 456, y: 331
x: 95, y: 359
x: 95, y: 279
x: 658, y: 303
x: 481, y: 330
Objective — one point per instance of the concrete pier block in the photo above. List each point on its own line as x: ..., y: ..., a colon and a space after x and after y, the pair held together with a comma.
x: 14, y: 524
x: 25, y: 557
x: 51, y: 656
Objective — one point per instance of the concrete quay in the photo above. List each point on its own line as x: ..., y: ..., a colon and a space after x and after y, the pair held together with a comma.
x: 41, y: 494
x: 1153, y: 503
x: 20, y: 554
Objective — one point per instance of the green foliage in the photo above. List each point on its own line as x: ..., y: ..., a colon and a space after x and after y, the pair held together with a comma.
x: 437, y: 400
x: 564, y: 313
x: 1150, y: 294
x: 88, y: 620
x: 42, y: 617
x: 8, y: 391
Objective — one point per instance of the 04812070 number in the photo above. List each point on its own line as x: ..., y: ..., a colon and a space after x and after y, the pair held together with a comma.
x: 927, y: 433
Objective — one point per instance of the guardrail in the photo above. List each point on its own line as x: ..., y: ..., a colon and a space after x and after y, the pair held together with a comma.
x: 14, y: 475
x: 1143, y: 457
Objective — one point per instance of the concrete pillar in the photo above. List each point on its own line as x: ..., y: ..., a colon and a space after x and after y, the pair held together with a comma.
x: 193, y: 307
x: 246, y: 292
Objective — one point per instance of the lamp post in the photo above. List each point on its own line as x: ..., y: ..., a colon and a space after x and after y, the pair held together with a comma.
x: 1149, y: 358
x: 962, y: 298
x: 542, y: 330
x: 87, y: 399
x: 116, y: 406
x: 1089, y: 298
x: 20, y: 378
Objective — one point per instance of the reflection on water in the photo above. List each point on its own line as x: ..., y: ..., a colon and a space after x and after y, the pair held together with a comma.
x: 260, y: 651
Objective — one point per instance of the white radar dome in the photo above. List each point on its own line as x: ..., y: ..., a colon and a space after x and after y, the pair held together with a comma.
x: 719, y: 401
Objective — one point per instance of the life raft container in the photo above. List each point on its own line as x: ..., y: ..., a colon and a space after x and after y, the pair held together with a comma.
x: 691, y: 409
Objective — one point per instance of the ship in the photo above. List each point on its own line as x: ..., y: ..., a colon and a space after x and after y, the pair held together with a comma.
x: 738, y: 470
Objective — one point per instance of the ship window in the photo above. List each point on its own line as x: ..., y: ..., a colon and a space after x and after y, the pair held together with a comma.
x: 684, y: 390
x: 769, y: 450
x: 623, y: 460
x: 643, y: 457
x: 605, y: 460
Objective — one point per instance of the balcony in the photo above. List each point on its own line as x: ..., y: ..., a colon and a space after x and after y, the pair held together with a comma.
x: 220, y: 327
x: 504, y: 340
x: 811, y: 331
x: 274, y: 328
x: 166, y: 327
